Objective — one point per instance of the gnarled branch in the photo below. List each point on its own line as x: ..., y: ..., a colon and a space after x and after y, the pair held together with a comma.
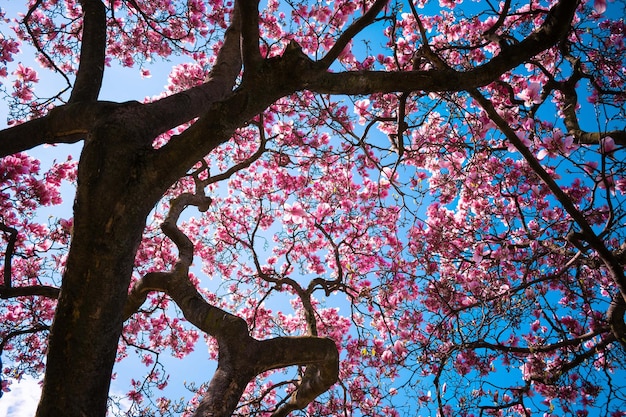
x: 241, y: 357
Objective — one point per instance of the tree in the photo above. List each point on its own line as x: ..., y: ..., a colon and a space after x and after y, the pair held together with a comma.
x: 422, y: 182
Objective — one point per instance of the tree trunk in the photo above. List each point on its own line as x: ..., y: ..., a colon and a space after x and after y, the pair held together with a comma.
x: 109, y: 217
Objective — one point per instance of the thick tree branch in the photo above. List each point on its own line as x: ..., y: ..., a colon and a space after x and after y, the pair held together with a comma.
x: 322, y: 360
x: 250, y: 36
x: 196, y: 101
x: 554, y: 29
x: 64, y: 124
x: 241, y: 357
x: 40, y: 290
x: 92, y: 52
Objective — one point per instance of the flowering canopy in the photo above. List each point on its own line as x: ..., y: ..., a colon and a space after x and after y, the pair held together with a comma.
x: 376, y: 207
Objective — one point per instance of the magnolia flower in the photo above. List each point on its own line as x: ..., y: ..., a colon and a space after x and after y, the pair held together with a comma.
x: 531, y: 95
x: 294, y: 213
x: 607, y: 145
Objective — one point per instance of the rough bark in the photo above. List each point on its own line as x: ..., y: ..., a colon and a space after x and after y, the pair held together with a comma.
x: 109, y: 217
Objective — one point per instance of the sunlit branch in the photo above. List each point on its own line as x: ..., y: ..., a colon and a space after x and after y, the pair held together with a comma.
x: 92, y: 52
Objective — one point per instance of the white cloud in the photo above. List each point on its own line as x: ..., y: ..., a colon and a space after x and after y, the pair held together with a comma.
x: 22, y: 400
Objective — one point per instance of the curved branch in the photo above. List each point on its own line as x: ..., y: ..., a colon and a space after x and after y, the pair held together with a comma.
x: 15, y: 333
x: 570, y: 119
x: 491, y: 32
x: 37, y: 45
x: 243, y: 164
x: 322, y: 360
x: 241, y: 357
x: 92, y: 53
x: 6, y: 288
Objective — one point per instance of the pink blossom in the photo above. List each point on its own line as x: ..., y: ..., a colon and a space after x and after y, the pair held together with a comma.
x: 361, y: 109
x: 294, y: 213
x: 26, y: 74
x: 607, y: 145
x: 599, y: 6
x: 387, y: 356
x: 531, y: 94
x: 322, y: 211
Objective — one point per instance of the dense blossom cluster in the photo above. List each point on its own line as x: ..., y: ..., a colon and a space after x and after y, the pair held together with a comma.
x: 441, y: 254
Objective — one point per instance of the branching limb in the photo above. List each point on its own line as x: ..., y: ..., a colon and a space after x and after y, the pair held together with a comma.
x: 64, y: 124
x: 570, y: 98
x: 491, y: 32
x: 241, y: 357
x: 35, y: 40
x: 15, y: 333
x: 553, y: 30
x: 92, y: 52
